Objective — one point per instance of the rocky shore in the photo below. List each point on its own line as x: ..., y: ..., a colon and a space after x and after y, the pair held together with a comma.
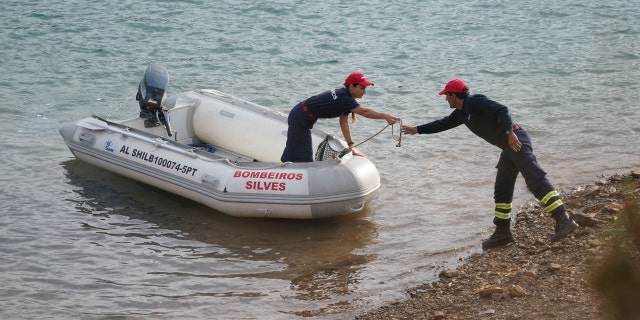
x: 592, y: 274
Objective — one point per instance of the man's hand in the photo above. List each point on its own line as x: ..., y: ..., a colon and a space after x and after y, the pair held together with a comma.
x: 514, y: 142
x: 409, y: 130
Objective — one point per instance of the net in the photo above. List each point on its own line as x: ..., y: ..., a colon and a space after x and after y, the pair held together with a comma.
x: 326, y: 152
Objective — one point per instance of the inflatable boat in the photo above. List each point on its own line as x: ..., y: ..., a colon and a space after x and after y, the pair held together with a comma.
x: 223, y: 152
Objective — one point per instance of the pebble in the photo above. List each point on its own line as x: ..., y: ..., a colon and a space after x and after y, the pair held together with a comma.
x: 486, y: 312
x: 485, y: 292
x: 516, y: 291
x: 449, y: 273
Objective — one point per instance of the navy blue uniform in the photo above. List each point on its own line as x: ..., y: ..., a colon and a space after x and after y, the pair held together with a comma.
x: 328, y: 104
x: 490, y: 121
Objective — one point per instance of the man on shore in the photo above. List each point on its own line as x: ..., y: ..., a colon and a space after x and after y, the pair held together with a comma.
x: 491, y: 121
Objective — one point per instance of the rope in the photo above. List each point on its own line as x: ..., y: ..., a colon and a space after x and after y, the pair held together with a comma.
x: 399, y: 140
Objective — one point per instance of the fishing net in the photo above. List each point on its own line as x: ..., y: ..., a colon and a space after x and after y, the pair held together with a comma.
x: 326, y: 152
x: 332, y: 148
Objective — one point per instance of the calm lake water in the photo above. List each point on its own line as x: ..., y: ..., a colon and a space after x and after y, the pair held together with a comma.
x: 80, y: 243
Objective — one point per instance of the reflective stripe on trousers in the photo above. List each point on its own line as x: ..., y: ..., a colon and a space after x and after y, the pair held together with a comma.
x: 503, y: 211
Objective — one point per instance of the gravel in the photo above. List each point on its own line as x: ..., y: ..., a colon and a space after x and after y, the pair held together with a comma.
x: 594, y: 273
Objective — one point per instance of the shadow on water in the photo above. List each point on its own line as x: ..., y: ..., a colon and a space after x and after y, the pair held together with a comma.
x: 318, y: 258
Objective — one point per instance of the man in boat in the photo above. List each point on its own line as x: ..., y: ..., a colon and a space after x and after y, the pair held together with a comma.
x: 491, y: 121
x: 329, y: 104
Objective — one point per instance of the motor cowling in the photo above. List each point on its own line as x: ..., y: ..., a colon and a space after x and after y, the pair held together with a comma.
x: 151, y: 95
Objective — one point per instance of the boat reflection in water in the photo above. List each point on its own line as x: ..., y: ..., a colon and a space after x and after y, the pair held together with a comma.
x: 166, y: 246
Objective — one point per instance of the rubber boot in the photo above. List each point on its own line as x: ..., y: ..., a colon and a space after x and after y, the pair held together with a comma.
x: 501, y: 236
x: 564, y: 226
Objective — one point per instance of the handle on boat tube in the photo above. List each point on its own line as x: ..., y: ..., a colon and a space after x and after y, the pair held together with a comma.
x: 167, y: 124
x: 92, y: 124
x: 358, y: 207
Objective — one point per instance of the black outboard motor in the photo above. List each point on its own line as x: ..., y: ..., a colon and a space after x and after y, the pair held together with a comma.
x: 151, y: 95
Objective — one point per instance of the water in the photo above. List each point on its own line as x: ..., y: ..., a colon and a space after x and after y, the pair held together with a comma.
x: 77, y: 242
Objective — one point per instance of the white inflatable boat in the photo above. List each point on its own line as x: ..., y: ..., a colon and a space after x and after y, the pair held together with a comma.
x: 223, y: 152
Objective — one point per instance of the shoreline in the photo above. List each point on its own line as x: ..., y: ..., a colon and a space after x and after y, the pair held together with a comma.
x: 575, y: 278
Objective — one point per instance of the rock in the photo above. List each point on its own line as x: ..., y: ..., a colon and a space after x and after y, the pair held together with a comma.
x: 516, y: 291
x: 584, y: 220
x: 593, y: 193
x: 532, y: 272
x: 487, y: 291
x: 449, y: 273
x: 614, y: 207
x: 487, y: 312
x: 555, y: 266
x: 600, y: 182
x: 595, y: 243
x: 438, y: 315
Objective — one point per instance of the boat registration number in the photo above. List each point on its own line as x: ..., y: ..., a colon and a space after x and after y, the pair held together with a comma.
x: 159, y: 161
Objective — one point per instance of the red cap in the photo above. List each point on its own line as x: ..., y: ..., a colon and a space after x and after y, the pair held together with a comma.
x: 357, y: 78
x: 455, y: 85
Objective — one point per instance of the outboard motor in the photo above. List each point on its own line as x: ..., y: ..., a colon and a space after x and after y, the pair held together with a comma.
x: 151, y: 95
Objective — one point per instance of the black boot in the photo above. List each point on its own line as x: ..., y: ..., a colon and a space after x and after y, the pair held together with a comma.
x: 501, y: 236
x: 564, y: 226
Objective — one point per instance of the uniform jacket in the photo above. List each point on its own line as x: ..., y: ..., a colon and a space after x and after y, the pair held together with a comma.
x: 486, y: 118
